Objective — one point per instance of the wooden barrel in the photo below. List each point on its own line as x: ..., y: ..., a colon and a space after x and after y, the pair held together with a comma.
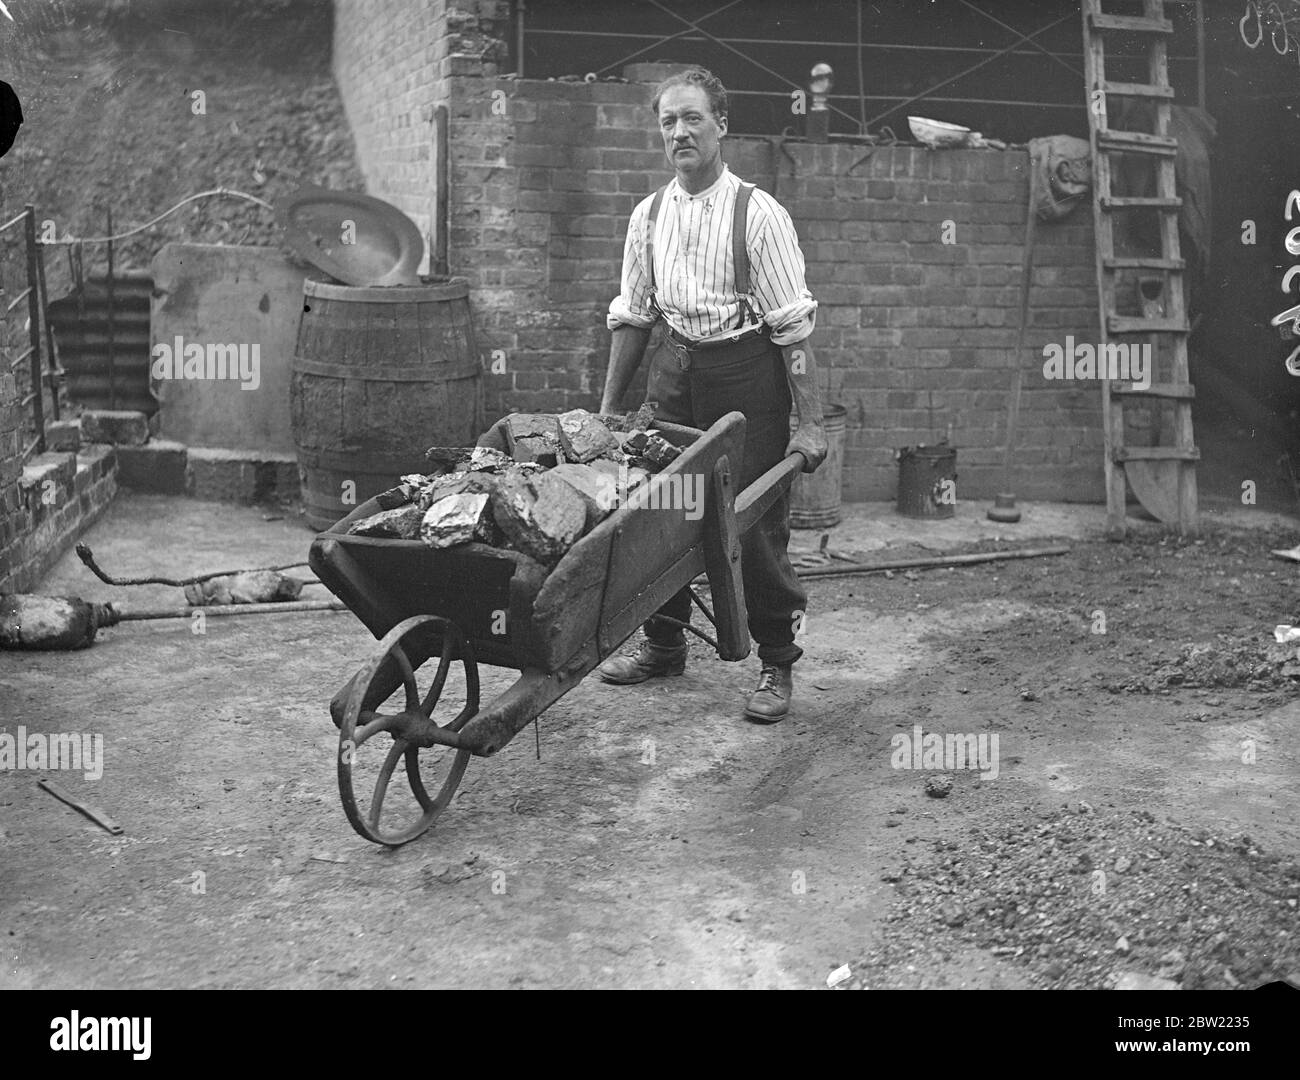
x: 379, y: 376
x: 815, y: 497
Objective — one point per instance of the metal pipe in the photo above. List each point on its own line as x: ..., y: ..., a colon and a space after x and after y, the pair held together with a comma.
x: 54, y: 370
x: 112, y: 364
x: 1200, y: 53
x: 442, y: 212
x: 234, y: 609
x: 34, y: 329
x: 862, y: 84
x: 520, y: 8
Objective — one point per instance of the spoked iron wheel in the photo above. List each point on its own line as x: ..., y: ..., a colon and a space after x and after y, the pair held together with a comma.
x: 412, y: 727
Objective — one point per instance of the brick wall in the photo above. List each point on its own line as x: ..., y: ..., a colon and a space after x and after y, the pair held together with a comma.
x: 392, y: 59
x: 45, y: 505
x: 58, y: 497
x: 543, y: 177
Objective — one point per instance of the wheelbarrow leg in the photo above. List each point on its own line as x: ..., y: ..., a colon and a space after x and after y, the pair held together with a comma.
x: 722, y: 564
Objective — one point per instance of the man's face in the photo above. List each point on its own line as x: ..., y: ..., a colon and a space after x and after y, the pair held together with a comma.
x: 692, y: 134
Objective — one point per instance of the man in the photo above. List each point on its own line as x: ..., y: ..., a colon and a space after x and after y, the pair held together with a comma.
x: 728, y: 349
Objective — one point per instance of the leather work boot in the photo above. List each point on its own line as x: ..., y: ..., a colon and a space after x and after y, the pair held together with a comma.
x: 647, y: 662
x: 771, y: 701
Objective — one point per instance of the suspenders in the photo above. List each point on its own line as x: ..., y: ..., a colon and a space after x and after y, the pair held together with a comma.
x: 739, y: 252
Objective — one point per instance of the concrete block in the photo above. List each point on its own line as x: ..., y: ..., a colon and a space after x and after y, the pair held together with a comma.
x: 241, y: 476
x: 49, y: 477
x: 159, y: 467
x: 117, y: 426
x: 63, y: 435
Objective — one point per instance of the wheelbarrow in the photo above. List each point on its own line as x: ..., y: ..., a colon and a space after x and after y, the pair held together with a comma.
x: 473, y: 603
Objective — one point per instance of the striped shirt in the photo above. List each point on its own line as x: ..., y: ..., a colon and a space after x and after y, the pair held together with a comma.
x: 694, y: 272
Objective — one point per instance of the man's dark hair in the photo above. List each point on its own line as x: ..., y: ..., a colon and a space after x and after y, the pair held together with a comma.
x: 696, y: 76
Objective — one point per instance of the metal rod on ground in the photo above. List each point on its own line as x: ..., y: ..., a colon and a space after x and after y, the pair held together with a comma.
x: 112, y: 365
x: 937, y: 561
x: 235, y: 609
x: 1004, y: 504
x: 925, y: 563
x: 96, y: 815
x: 86, y: 556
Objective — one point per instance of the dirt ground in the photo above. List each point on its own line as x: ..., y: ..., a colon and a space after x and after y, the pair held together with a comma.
x: 1139, y: 824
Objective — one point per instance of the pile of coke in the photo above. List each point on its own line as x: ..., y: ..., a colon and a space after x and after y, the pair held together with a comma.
x: 560, y: 477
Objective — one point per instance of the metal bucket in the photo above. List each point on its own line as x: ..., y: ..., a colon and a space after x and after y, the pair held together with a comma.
x: 927, y: 481
x: 815, y: 497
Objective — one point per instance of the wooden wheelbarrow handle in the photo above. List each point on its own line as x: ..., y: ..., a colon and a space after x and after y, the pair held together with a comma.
x: 755, y: 500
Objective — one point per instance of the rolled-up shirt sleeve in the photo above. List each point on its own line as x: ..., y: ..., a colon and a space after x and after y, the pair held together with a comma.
x: 777, y: 277
x: 631, y: 307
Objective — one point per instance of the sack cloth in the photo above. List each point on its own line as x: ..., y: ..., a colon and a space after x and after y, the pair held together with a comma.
x: 1064, y: 167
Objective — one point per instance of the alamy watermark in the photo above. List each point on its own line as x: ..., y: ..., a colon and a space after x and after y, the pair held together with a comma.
x: 662, y: 491
x: 1083, y: 360
x: 61, y: 751
x: 211, y: 362
x: 947, y: 753
x: 112, y: 1033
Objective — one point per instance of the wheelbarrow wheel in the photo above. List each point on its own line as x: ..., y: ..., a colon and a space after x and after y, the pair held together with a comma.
x: 410, y: 728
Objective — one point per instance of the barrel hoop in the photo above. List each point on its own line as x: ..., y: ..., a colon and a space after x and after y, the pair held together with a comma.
x: 434, y: 373
x: 454, y: 289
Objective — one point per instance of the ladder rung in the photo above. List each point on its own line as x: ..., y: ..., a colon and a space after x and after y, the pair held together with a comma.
x: 1127, y: 324
x: 1137, y: 142
x: 1133, y: 24
x: 1132, y: 89
x: 1156, y: 453
x: 1131, y: 202
x: 1173, y: 391
x: 1142, y: 263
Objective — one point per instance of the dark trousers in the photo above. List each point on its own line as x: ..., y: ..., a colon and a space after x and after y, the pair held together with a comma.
x: 747, y: 377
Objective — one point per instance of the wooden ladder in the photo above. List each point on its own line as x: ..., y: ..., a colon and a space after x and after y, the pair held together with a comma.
x: 1163, y: 477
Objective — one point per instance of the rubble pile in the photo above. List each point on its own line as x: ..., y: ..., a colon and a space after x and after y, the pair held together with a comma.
x: 1249, y: 662
x: 560, y: 476
x: 1090, y: 898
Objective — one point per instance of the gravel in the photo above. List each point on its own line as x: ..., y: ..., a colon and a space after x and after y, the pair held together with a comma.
x: 1086, y: 899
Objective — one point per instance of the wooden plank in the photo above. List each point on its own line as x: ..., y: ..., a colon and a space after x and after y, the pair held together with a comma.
x: 1174, y: 391
x: 1135, y: 324
x: 1155, y: 483
x: 1137, y: 142
x: 1157, y: 453
x: 1133, y: 24
x: 1128, y: 262
x: 1133, y: 202
x: 1143, y: 90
